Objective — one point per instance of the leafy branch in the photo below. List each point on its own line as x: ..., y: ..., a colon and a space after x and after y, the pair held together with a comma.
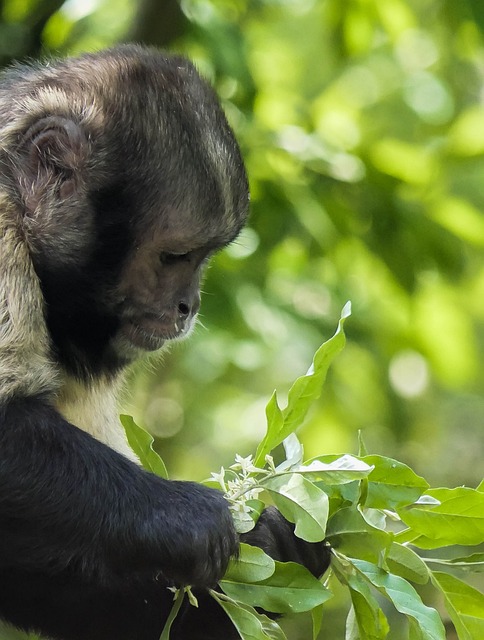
x: 375, y: 513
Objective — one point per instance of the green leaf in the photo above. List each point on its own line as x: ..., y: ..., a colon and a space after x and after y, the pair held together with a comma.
x: 464, y: 604
x: 252, y: 565
x: 474, y: 562
x: 308, y: 388
x: 405, y: 599
x: 291, y: 589
x: 243, y: 521
x: 362, y: 450
x: 303, y: 392
x: 405, y: 563
x: 341, y: 495
x: 275, y: 426
x: 317, y: 619
x: 351, y: 632
x: 458, y: 519
x: 392, y: 484
x: 293, y: 449
x: 369, y: 617
x: 250, y: 624
x: 331, y: 470
x: 414, y: 631
x: 350, y: 533
x: 142, y: 444
x: 366, y: 619
x: 300, y: 502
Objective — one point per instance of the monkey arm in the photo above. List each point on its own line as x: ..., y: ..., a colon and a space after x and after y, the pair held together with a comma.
x: 69, y: 503
x: 275, y: 535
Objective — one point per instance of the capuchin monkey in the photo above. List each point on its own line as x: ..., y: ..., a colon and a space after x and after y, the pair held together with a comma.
x: 119, y: 179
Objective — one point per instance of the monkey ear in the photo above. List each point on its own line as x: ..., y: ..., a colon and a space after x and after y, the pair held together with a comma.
x: 54, y: 151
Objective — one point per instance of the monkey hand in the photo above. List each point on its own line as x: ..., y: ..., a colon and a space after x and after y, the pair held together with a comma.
x: 275, y: 535
x: 190, y: 533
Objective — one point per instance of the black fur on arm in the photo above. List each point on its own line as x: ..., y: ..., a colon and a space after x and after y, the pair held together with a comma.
x: 275, y: 535
x: 89, y: 548
x: 89, y: 540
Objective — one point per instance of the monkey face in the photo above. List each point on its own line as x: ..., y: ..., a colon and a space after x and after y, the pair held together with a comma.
x: 128, y: 179
x: 160, y: 300
x: 159, y: 291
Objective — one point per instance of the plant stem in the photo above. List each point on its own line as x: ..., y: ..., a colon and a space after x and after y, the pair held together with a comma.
x: 180, y: 596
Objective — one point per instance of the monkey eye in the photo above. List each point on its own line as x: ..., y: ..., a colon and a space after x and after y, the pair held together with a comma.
x: 168, y: 257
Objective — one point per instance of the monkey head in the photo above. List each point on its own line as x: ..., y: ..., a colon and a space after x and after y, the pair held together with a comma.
x: 126, y: 178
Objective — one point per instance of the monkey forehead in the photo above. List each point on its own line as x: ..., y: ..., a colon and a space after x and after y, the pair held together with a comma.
x: 176, y: 230
x: 176, y: 146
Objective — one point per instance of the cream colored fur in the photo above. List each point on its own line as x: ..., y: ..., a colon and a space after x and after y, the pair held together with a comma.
x: 94, y: 409
x: 25, y: 366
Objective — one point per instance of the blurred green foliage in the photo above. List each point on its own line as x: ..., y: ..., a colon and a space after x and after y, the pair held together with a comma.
x: 362, y: 125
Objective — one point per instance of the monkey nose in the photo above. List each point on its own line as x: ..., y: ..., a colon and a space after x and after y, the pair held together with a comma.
x: 184, y: 309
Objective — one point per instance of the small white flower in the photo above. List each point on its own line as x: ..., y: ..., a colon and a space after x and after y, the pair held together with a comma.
x: 244, y: 464
x: 270, y: 463
x: 253, y: 494
x: 234, y: 486
x: 220, y: 478
x: 240, y: 507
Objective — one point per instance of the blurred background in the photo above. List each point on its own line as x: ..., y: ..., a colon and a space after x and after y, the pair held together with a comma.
x: 362, y: 126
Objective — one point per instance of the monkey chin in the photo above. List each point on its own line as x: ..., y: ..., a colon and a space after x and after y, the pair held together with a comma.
x: 145, y: 336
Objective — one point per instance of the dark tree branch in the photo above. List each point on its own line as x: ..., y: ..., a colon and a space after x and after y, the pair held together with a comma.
x: 158, y: 23
x: 36, y: 22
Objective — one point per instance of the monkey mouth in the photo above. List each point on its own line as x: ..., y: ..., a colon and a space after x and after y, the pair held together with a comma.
x: 150, y: 334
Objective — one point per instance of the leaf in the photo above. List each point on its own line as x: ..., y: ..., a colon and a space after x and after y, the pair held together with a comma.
x: 293, y: 449
x: 306, y: 389
x: 369, y: 617
x: 392, y: 484
x: 464, y: 604
x: 339, y: 470
x: 317, y: 619
x: 351, y: 632
x: 405, y: 599
x: 250, y: 624
x: 243, y: 521
x: 294, y: 454
x: 405, y: 563
x: 275, y: 425
x: 300, y: 502
x: 362, y: 450
x: 474, y: 562
x: 291, y: 589
x: 414, y: 631
x: 252, y: 565
x: 350, y: 533
x: 142, y: 444
x: 457, y: 519
x: 366, y: 619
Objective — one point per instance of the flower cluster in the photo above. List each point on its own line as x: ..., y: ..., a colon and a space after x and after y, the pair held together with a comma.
x: 240, y: 483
